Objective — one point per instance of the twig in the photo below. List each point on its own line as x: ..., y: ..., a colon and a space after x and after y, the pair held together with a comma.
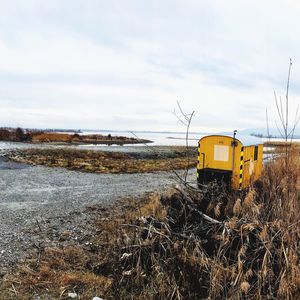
x: 147, y: 228
x: 38, y: 224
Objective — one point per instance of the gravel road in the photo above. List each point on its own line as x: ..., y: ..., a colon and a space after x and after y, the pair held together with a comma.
x: 33, y: 196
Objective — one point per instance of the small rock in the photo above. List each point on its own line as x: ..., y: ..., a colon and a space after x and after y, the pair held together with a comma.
x: 64, y: 236
x: 125, y: 255
x: 127, y: 273
x: 97, y: 298
x: 72, y: 295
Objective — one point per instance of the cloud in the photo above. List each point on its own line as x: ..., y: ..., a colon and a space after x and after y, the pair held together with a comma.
x: 124, y: 64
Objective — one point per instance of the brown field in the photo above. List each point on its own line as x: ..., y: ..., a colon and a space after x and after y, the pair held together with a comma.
x: 186, y: 244
x: 107, y: 162
x: 64, y: 138
x: 52, y: 137
x: 29, y: 136
x: 281, y: 144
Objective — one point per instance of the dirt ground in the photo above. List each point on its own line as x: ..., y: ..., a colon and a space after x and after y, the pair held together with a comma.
x: 55, y: 199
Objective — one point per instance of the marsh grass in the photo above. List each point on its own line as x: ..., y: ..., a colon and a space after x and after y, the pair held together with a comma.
x: 107, y: 162
x: 185, y: 244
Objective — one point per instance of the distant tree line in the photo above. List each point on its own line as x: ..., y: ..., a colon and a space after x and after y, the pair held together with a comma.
x: 15, y: 135
x: 270, y: 136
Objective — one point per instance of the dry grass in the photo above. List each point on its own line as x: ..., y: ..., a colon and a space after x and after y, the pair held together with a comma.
x: 105, y: 162
x: 279, y: 148
x: 51, y: 137
x: 166, y: 247
x: 61, y: 271
x: 281, y: 144
x: 54, y: 137
x: 34, y: 136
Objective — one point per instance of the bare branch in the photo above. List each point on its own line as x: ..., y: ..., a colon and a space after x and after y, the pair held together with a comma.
x: 282, y: 114
x: 184, y: 115
x: 178, y: 117
x: 279, y: 130
x: 287, y: 99
x: 278, y: 109
x: 296, y: 121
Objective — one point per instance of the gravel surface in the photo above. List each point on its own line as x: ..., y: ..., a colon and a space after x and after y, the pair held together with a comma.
x: 41, y: 205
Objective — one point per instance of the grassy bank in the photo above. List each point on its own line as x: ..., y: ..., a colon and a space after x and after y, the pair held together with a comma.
x: 108, y: 162
x: 185, y: 244
x: 39, y: 136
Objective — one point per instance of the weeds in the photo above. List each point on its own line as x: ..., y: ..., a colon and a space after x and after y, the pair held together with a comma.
x: 107, y: 162
x: 187, y: 244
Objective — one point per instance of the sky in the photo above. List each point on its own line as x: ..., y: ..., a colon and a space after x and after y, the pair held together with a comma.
x: 124, y: 64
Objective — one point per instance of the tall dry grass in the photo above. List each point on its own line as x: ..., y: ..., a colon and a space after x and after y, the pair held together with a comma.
x: 187, y: 244
x: 251, y: 252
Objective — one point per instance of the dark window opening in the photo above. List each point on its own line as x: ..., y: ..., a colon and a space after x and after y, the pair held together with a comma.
x: 255, y: 152
x: 206, y: 176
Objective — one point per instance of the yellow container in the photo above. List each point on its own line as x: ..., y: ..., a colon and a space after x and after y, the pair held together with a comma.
x: 227, y: 159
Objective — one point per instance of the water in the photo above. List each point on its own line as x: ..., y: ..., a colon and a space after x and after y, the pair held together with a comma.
x: 177, y: 138
x: 158, y: 139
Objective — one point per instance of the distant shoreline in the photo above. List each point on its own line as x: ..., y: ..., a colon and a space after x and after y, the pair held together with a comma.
x: 59, y: 138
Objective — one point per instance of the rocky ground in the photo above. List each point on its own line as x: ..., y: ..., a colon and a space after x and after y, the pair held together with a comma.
x: 41, y: 205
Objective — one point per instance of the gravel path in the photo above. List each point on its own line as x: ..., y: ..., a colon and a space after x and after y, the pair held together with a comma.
x: 30, y: 196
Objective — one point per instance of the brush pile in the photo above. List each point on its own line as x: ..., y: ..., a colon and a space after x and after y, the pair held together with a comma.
x: 186, y: 244
x: 213, y: 245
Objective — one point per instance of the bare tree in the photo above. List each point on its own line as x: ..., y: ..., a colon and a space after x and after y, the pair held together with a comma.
x: 185, y: 119
x: 283, y: 112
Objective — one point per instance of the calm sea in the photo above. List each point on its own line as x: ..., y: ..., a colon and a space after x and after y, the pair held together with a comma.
x: 157, y: 138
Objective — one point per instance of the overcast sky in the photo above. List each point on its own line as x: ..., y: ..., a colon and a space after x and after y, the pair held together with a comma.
x: 124, y: 64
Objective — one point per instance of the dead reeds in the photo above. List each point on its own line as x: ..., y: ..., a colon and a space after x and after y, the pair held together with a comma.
x: 187, y: 244
x: 108, y: 162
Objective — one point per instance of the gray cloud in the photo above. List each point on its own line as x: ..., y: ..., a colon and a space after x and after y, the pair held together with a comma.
x: 117, y: 64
